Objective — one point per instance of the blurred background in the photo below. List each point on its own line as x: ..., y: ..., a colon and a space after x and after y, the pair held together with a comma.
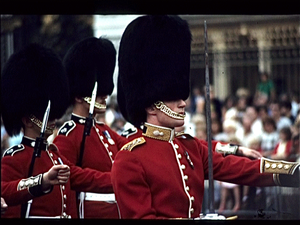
x: 240, y: 46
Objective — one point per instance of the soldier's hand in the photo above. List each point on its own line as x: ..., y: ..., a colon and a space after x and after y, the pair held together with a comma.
x: 58, y: 174
x: 250, y: 153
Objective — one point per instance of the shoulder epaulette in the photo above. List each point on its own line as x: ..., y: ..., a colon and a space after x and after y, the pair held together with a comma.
x: 66, y: 128
x: 132, y: 144
x: 14, y: 149
x: 183, y: 135
x: 127, y: 133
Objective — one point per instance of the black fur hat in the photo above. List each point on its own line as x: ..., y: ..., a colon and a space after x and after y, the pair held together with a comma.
x: 29, y: 79
x: 154, y: 64
x: 92, y: 59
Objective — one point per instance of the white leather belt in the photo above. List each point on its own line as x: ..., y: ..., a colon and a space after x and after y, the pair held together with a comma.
x: 89, y: 196
x: 49, y: 217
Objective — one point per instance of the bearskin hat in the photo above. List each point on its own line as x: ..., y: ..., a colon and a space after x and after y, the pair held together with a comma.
x: 29, y: 79
x: 92, y: 59
x: 154, y: 64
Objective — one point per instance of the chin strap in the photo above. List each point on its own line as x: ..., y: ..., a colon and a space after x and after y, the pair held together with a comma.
x: 169, y: 112
x: 97, y: 105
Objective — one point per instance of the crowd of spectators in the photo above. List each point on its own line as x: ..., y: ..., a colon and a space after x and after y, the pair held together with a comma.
x: 262, y: 121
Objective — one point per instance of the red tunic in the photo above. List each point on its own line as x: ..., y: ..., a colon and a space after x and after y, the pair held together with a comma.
x: 99, y: 153
x: 134, y: 133
x: 61, y: 200
x: 154, y: 178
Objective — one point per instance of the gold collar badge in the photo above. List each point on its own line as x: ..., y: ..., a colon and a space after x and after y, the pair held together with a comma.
x: 157, y: 132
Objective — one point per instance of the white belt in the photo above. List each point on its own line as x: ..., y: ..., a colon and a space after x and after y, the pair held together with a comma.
x: 48, y: 217
x: 89, y: 196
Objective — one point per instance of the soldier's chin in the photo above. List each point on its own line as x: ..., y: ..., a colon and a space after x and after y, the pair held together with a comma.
x: 100, y: 106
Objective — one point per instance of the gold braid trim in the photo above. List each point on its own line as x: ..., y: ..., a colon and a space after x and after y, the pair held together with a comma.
x: 97, y: 105
x: 165, y: 109
x: 36, y: 121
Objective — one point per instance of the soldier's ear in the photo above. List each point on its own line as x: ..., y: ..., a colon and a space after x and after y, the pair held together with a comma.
x: 27, y: 122
x: 151, y: 110
x: 78, y: 100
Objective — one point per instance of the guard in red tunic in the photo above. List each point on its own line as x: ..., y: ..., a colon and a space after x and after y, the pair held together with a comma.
x: 29, y: 80
x: 160, y: 174
x: 90, y: 60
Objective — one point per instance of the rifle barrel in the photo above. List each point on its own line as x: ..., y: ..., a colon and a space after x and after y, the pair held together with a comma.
x: 208, y: 122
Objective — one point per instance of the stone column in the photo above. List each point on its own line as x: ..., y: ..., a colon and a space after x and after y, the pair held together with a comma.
x: 220, y: 70
x: 264, y: 55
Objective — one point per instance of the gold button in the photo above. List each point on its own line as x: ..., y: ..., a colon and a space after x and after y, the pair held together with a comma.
x: 286, y: 167
x: 157, y: 133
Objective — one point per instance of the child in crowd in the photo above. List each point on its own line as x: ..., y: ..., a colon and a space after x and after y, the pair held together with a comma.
x: 283, y: 148
x: 269, y: 137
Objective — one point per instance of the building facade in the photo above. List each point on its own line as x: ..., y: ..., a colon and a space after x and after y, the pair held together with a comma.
x: 241, y: 47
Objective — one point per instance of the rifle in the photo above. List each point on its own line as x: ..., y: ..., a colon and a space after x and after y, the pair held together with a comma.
x: 25, y: 208
x: 88, y: 123
x: 211, y: 208
x: 86, y: 132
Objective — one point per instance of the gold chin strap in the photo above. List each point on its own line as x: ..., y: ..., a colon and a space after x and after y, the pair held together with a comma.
x: 169, y: 112
x: 97, y: 105
x: 36, y: 121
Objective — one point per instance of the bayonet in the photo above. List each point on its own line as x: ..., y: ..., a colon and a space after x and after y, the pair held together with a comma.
x: 88, y: 123
x: 86, y: 132
x: 39, y: 140
x: 25, y: 208
x: 94, y: 95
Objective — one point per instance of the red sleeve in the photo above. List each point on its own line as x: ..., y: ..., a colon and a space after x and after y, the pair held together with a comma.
x: 128, y: 178
x: 88, y: 180
x: 13, y: 170
x: 234, y: 169
x: 213, y: 143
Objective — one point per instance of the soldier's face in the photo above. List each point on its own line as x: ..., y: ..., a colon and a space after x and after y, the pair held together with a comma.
x: 164, y: 120
x: 101, y: 103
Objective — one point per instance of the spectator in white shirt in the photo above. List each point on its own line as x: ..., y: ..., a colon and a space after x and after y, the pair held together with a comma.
x: 256, y: 126
x: 270, y: 137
